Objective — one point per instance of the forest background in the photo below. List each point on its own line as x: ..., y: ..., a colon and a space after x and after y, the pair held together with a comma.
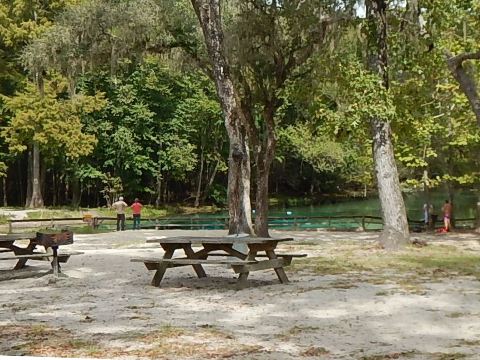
x: 117, y: 97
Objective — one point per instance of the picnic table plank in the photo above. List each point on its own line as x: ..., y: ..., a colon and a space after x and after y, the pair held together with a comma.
x: 19, y: 236
x: 214, y: 240
x: 188, y: 261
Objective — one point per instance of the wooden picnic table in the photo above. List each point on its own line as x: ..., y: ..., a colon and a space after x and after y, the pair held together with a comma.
x: 242, y: 263
x: 9, y: 243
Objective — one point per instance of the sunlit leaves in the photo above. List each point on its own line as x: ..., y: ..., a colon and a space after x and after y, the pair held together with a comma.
x: 54, y: 123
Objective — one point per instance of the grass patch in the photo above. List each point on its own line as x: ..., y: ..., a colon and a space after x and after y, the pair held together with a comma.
x: 163, y: 334
x: 464, y: 342
x: 449, y: 356
x: 168, y: 342
x: 456, y: 315
x: 394, y: 355
x: 315, y: 351
x: 433, y: 261
x: 296, y: 330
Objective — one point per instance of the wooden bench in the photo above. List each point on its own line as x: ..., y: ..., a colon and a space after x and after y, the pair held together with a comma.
x: 154, y: 264
x: 287, y: 257
x: 238, y: 266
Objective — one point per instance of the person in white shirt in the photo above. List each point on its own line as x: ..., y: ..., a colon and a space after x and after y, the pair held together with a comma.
x: 120, y: 207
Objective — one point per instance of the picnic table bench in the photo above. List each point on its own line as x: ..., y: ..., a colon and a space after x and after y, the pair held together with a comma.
x: 9, y: 243
x: 241, y: 263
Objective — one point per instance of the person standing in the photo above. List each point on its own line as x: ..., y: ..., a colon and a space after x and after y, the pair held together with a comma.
x: 447, y: 215
x: 120, y: 207
x: 426, y: 213
x: 136, y: 210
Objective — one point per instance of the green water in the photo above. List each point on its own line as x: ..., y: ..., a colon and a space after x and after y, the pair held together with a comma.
x: 464, y: 206
x: 299, y: 217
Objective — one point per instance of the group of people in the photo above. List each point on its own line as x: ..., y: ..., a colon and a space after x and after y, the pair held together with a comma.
x: 430, y: 217
x: 120, y: 206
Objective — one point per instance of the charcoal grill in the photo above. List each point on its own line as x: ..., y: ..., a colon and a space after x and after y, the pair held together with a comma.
x: 54, y: 240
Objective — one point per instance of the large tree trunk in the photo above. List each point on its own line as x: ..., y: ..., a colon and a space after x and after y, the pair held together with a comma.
x: 263, y: 159
x: 393, y: 208
x: 239, y: 208
x: 395, y: 233
x: 37, y: 198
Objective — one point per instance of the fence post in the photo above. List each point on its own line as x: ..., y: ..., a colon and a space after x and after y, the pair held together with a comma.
x: 363, y: 223
x: 10, y: 226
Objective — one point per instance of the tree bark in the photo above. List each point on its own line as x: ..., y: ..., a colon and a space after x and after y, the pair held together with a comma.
x: 76, y: 191
x: 263, y: 159
x: 477, y: 227
x: 210, y: 181
x: 37, y: 198
x: 28, y: 197
x: 238, y: 192
x: 199, y: 183
x: 4, y: 190
x: 395, y: 232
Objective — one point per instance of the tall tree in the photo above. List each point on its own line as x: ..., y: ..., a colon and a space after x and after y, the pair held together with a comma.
x: 270, y: 44
x: 48, y: 125
x: 209, y: 16
x: 395, y: 233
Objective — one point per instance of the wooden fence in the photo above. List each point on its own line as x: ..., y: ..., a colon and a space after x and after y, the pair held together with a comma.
x: 337, y: 222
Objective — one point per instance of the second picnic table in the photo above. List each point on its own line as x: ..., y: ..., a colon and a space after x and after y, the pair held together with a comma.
x: 9, y: 244
x: 241, y: 263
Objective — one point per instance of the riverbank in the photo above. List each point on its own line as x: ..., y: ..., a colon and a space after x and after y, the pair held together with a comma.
x: 347, y: 300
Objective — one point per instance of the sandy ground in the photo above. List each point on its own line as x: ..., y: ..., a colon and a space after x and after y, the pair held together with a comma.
x: 108, y: 300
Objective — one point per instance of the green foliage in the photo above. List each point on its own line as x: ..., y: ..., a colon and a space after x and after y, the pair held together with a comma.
x: 52, y: 122
x: 317, y: 150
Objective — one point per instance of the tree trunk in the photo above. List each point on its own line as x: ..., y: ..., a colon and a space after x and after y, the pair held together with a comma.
x: 210, y: 182
x: 477, y: 229
x: 263, y: 160
x: 465, y: 79
x: 159, y: 179
x: 76, y: 193
x: 239, y: 207
x: 28, y: 198
x: 54, y: 188
x: 395, y: 234
x: 37, y: 198
x: 395, y: 225
x: 199, y: 184
x: 4, y: 189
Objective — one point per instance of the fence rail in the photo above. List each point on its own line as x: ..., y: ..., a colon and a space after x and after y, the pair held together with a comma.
x: 339, y: 222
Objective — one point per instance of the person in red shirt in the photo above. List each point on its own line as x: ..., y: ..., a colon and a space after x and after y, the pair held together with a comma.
x: 136, y: 210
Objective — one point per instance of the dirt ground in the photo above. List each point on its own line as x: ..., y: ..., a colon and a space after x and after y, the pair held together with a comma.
x: 106, y: 307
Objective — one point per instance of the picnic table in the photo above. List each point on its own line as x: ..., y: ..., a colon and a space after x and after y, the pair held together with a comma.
x: 12, y: 243
x: 242, y: 263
